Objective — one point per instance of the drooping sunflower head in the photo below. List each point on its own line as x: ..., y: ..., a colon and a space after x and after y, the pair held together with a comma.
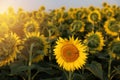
x: 77, y: 25
x: 3, y: 29
x: 39, y: 48
x: 94, y: 16
x: 31, y: 26
x: 114, y: 48
x: 112, y: 27
x: 9, y: 48
x: 70, y: 52
x: 94, y: 41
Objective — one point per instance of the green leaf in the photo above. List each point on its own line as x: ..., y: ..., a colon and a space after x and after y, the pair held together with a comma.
x: 77, y: 76
x: 18, y: 68
x: 96, y: 69
x: 57, y: 78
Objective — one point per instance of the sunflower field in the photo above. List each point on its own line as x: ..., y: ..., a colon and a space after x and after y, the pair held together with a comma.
x: 61, y: 44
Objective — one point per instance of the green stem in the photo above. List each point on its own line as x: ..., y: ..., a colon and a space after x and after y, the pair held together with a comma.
x: 70, y: 75
x: 30, y: 62
x: 109, y: 67
x: 93, y: 29
x: 35, y: 75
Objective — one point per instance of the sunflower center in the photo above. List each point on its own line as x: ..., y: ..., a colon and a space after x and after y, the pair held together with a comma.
x: 109, y: 13
x: 94, y: 17
x: 76, y: 26
x: 70, y: 53
x: 114, y: 26
x: 94, y: 41
x: 31, y: 28
x: 79, y: 14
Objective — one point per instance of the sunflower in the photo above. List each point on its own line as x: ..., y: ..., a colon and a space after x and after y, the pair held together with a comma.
x: 70, y: 52
x: 9, y: 48
x: 3, y: 29
x: 63, y: 8
x: 94, y: 16
x: 31, y: 26
x: 40, y: 46
x: 60, y: 20
x: 114, y: 48
x: 104, y: 4
x: 39, y: 16
x: 11, y: 11
x: 52, y: 30
x: 11, y: 20
x: 42, y: 8
x: 112, y: 27
x: 22, y: 16
x: 94, y: 41
x: 81, y: 13
x: 77, y: 25
x: 109, y: 12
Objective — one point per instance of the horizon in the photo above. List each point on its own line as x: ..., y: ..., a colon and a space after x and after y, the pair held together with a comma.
x: 51, y: 4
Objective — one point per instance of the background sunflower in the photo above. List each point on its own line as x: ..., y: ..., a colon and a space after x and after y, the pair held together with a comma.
x: 112, y: 27
x: 114, y: 48
x: 31, y: 26
x: 40, y: 46
x: 9, y: 48
x: 94, y: 16
x: 95, y: 41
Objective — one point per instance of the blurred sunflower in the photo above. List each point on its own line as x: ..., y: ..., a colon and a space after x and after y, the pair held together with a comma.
x: 112, y: 27
x: 61, y: 20
x: 94, y: 16
x: 109, y: 12
x: 114, y: 48
x: 77, y: 25
x: 9, y: 48
x: 70, y: 52
x: 81, y: 13
x: 39, y: 16
x: 22, y: 16
x: 31, y: 26
x: 72, y: 13
x: 52, y: 30
x: 3, y: 29
x: 11, y: 20
x: 3, y: 17
x: 40, y: 46
x: 42, y: 8
x: 11, y: 11
x: 94, y: 41
x: 104, y: 4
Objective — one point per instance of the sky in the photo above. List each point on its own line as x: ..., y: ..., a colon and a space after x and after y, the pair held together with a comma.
x: 30, y: 5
